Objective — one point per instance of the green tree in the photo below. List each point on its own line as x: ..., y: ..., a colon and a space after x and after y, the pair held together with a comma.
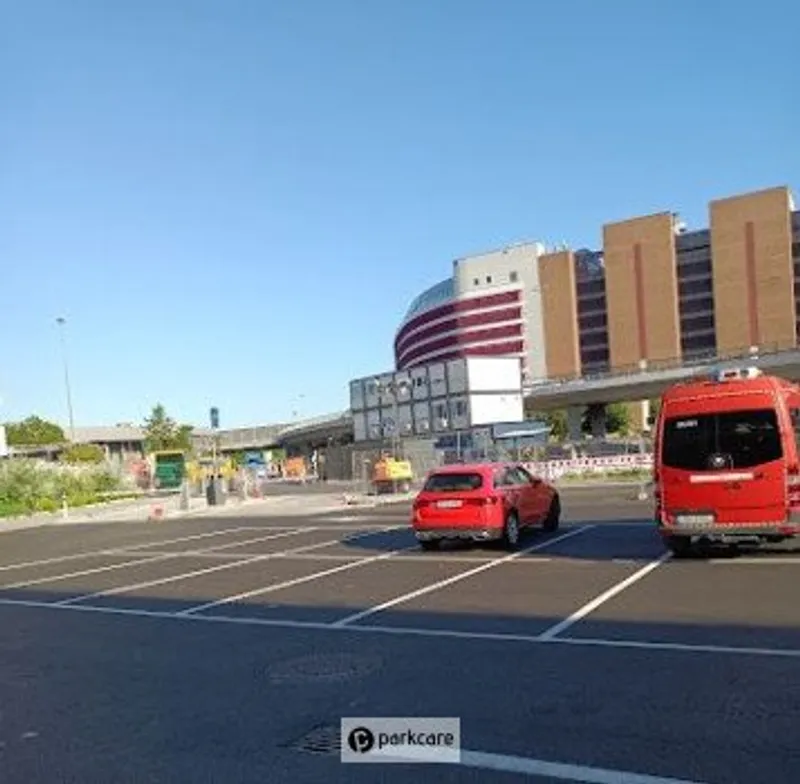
x: 163, y: 432
x: 34, y: 431
x: 238, y: 458
x: 84, y: 453
x: 557, y: 422
x: 618, y: 418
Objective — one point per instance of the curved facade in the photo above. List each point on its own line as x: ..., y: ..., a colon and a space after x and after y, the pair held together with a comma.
x: 490, y: 306
x: 656, y: 295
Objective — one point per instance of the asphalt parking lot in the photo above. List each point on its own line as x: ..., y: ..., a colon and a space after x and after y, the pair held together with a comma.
x: 206, y: 650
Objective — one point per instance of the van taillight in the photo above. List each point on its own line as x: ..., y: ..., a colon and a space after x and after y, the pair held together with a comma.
x: 793, y: 485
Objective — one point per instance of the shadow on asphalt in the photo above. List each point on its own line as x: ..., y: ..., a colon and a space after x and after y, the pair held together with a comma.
x: 521, y: 621
x: 123, y: 698
x: 633, y: 541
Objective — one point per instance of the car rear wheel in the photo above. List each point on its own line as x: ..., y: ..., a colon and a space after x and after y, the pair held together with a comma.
x: 680, y: 546
x: 551, y: 522
x: 429, y: 544
x: 511, y: 531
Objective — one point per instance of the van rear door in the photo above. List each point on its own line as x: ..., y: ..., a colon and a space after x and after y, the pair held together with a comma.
x: 726, y: 460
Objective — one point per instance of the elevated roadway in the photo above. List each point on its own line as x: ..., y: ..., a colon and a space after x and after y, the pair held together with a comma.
x: 648, y: 384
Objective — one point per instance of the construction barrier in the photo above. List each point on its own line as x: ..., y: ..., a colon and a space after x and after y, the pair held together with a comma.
x: 578, y: 466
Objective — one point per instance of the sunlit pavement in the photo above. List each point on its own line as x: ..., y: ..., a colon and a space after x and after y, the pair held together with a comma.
x: 205, y: 649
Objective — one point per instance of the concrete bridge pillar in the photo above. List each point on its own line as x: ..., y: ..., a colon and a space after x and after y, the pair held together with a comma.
x: 574, y: 423
x: 597, y: 420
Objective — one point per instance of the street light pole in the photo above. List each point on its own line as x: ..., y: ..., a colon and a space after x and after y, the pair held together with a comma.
x: 62, y: 330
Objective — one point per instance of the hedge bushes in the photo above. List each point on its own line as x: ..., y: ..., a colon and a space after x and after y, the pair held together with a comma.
x: 30, y: 486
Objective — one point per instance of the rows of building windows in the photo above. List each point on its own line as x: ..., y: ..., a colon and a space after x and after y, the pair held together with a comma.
x: 695, y: 294
x: 590, y: 282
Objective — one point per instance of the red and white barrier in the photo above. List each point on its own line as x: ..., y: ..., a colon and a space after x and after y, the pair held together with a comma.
x: 554, y: 469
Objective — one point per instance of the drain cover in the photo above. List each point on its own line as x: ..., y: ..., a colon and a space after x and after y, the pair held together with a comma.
x: 322, y: 739
x: 323, y: 667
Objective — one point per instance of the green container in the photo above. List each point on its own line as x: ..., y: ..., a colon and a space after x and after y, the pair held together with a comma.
x: 170, y: 471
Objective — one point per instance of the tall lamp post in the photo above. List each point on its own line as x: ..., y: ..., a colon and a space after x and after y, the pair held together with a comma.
x: 62, y: 323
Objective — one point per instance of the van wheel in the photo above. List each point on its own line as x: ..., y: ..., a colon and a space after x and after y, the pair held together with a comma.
x: 553, y: 518
x: 680, y: 546
x: 511, y: 531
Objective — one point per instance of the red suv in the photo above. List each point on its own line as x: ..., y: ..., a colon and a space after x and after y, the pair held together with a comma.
x: 483, y: 502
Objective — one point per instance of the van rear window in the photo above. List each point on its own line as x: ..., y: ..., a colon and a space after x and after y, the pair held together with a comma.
x: 733, y: 439
x: 453, y: 483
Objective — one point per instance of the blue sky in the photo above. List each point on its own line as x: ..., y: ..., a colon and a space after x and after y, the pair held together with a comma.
x: 233, y: 202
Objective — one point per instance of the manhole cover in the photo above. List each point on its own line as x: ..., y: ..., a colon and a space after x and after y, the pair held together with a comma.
x: 323, y: 667
x: 323, y: 739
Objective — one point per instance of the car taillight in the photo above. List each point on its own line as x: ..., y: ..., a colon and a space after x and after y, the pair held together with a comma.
x: 491, y: 500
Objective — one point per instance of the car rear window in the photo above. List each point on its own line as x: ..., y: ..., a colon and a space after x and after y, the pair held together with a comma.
x: 733, y: 439
x: 453, y: 483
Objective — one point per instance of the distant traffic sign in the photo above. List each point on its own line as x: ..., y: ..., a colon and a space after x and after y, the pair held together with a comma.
x: 214, y: 416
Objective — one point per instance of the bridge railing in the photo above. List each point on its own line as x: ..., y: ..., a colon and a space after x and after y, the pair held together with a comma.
x: 343, y: 417
x: 744, y: 354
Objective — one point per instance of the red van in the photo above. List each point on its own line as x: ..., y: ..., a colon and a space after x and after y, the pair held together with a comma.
x: 726, y: 465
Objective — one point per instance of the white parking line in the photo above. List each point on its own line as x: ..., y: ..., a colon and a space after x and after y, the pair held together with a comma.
x: 90, y: 553
x: 85, y: 572
x: 196, y: 573
x: 583, y: 774
x: 444, y: 558
x: 287, y: 583
x: 151, y: 558
x: 457, y: 578
x: 408, y: 631
x: 765, y: 561
x: 231, y: 545
x: 591, y: 606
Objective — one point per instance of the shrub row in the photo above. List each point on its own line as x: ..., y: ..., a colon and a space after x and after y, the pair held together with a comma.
x: 30, y: 486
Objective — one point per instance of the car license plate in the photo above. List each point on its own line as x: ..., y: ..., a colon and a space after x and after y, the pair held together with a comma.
x: 449, y: 504
x: 694, y: 519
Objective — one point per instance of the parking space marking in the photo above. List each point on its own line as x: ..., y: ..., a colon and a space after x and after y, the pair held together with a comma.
x: 426, y: 558
x: 85, y: 572
x: 90, y: 553
x: 151, y: 558
x: 408, y: 631
x: 679, y: 647
x: 590, y: 607
x: 197, y: 572
x: 582, y: 774
x: 765, y: 561
x: 231, y: 545
x: 228, y: 546
x: 288, y: 583
x: 349, y: 619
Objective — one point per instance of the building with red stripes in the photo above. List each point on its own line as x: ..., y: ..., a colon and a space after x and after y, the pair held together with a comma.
x: 656, y: 295
x: 491, y: 305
